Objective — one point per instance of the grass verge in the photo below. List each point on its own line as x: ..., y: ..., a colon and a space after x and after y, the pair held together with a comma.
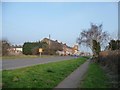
x: 95, y: 78
x: 40, y: 76
x: 24, y: 57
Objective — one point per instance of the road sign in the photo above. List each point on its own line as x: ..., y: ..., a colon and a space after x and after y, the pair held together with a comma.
x: 40, y: 49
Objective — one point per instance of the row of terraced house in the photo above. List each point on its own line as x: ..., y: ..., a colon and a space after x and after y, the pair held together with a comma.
x: 61, y: 49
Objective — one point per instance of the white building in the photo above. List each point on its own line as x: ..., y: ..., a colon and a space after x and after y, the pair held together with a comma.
x: 15, y: 50
x: 19, y: 49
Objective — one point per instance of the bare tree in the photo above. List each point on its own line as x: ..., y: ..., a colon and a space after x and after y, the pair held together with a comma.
x: 5, y: 47
x: 94, y: 33
x: 0, y: 47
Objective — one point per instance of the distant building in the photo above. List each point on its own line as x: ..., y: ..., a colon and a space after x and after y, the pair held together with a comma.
x: 67, y: 50
x: 61, y: 49
x: 55, y: 45
x: 75, y: 50
x: 15, y: 50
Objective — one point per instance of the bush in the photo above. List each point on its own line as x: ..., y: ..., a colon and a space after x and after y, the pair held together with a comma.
x: 110, y: 59
x: 114, y: 44
x: 35, y: 51
x: 5, y: 47
x: 30, y: 48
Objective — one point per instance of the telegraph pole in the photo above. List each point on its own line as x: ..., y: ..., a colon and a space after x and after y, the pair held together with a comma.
x: 49, y: 44
x: 49, y: 40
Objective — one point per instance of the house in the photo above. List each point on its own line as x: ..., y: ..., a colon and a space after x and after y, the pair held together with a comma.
x: 60, y: 48
x: 75, y: 50
x: 67, y: 50
x: 15, y: 50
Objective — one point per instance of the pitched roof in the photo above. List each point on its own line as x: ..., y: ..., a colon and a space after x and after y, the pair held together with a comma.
x: 56, y: 42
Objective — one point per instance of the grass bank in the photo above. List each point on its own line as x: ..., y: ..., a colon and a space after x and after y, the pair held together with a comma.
x: 40, y: 76
x: 95, y: 78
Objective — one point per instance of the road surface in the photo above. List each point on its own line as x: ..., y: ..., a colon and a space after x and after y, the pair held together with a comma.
x: 19, y: 63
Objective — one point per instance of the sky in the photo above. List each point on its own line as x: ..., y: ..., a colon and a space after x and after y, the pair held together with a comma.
x: 118, y: 21
x: 33, y: 21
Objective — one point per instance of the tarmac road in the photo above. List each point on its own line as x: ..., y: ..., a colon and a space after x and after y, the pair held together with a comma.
x: 19, y: 63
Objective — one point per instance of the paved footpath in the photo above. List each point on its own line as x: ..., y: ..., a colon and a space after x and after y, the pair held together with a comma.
x: 74, y: 79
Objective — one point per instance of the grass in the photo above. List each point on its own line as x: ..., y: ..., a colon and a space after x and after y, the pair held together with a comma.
x: 87, y: 57
x: 95, y: 78
x: 24, y: 57
x: 40, y: 76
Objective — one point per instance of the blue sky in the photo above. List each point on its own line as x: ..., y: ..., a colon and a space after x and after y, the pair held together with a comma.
x: 62, y: 20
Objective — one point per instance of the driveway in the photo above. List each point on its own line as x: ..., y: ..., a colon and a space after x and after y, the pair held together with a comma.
x: 19, y: 63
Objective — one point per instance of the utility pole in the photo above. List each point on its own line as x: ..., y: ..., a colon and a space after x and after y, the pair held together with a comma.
x: 49, y: 40
x: 49, y: 44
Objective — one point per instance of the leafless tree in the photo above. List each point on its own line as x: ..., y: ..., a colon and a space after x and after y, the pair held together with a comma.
x: 0, y: 47
x: 5, y: 47
x: 94, y: 33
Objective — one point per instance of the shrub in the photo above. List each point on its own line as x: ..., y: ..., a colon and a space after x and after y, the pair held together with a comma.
x: 114, y: 44
x: 109, y: 59
x: 31, y: 48
x: 5, y: 47
x: 35, y: 51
